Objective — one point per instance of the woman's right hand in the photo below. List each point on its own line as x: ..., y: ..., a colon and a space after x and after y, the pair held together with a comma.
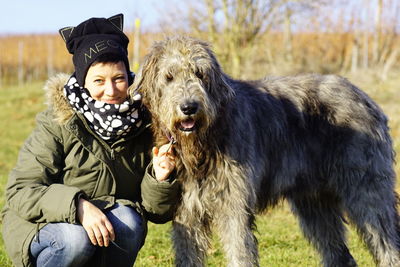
x: 163, y: 161
x: 96, y: 224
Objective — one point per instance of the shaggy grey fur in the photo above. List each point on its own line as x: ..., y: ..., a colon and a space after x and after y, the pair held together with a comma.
x: 317, y: 141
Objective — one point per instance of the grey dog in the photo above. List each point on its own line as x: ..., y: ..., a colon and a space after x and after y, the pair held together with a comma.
x: 242, y: 146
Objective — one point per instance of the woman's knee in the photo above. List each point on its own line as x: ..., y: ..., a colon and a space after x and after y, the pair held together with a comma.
x: 75, y: 239
x: 128, y: 224
x: 62, y: 242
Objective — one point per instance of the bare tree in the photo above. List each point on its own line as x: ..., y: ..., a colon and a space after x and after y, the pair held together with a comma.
x: 296, y: 9
x: 243, y: 23
x: 388, y: 50
x: 233, y: 26
x: 248, y: 32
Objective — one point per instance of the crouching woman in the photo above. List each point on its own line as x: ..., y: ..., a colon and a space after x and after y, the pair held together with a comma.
x: 84, y: 183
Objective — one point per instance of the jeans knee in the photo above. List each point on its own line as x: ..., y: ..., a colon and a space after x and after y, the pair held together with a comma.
x: 129, y: 226
x: 77, y: 241
x: 61, y: 244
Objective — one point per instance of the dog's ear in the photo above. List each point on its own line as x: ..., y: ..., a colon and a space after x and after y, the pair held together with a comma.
x: 223, y: 81
x: 147, y: 74
x: 220, y: 82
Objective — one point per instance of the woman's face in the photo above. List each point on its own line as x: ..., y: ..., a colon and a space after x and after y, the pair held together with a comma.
x: 108, y: 82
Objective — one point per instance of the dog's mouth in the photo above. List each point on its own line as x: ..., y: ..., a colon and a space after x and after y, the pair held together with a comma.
x: 188, y: 125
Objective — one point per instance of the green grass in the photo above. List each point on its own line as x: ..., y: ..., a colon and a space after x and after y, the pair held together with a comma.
x: 19, y: 106
x: 280, y: 240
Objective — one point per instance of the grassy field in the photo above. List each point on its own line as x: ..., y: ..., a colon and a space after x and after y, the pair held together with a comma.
x: 280, y: 240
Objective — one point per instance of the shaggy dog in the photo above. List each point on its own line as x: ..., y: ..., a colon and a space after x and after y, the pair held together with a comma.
x: 317, y: 141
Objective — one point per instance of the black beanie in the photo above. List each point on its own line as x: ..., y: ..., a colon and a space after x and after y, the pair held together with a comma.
x: 95, y: 37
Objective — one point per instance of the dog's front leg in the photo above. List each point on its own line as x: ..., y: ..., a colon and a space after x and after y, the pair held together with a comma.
x: 235, y: 231
x: 190, y: 241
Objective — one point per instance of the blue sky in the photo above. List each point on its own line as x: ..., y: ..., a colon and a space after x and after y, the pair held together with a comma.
x: 47, y: 16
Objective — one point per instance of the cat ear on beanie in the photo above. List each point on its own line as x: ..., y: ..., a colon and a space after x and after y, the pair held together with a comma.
x: 95, y: 37
x: 118, y: 21
x: 66, y: 32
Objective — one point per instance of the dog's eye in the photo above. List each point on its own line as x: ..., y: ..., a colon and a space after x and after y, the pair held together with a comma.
x: 169, y: 77
x: 199, y: 75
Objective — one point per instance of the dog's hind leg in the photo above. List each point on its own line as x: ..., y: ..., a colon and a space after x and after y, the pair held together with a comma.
x: 321, y: 221
x: 372, y: 208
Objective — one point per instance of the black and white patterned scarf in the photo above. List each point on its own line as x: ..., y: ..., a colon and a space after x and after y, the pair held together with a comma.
x: 109, y: 121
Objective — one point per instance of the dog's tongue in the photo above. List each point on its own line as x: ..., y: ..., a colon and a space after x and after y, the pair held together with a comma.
x: 187, y: 124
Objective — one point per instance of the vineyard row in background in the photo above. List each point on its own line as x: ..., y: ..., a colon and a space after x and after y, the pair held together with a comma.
x: 251, y: 38
x: 35, y: 57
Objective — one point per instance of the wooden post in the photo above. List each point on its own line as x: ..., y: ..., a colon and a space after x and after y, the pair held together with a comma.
x: 136, y: 42
x: 354, y: 55
x: 365, y: 49
x: 20, y: 62
x: 287, y: 35
x: 1, y: 76
x: 50, y: 56
x: 365, y: 46
x: 1, y: 72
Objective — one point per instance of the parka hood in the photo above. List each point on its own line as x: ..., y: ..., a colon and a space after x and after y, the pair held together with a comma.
x: 56, y: 99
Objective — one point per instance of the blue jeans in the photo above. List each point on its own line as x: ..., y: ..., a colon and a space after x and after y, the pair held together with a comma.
x: 64, y: 244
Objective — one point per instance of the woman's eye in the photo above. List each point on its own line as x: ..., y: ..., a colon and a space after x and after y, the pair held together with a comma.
x: 120, y: 79
x: 98, y: 81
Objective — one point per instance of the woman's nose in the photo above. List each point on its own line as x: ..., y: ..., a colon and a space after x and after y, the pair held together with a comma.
x: 110, y: 88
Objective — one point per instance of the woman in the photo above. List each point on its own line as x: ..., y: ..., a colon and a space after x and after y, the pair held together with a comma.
x: 80, y: 192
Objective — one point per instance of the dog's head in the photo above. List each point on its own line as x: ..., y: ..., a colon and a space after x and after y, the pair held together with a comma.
x: 183, y: 85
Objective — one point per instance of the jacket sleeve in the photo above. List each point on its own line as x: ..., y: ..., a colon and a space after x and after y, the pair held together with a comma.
x: 159, y: 199
x: 35, y: 190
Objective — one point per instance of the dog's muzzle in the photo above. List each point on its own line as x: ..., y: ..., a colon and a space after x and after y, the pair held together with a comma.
x: 189, y: 110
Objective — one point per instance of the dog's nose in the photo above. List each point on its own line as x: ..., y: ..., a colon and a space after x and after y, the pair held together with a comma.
x: 189, y: 108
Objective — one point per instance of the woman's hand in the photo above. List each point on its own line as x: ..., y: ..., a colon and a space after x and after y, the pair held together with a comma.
x: 96, y: 224
x: 163, y: 161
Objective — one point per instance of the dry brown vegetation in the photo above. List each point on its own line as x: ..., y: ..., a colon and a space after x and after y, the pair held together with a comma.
x: 252, y: 38
x: 43, y: 55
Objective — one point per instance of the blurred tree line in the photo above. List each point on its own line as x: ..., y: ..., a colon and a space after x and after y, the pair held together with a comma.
x: 252, y: 38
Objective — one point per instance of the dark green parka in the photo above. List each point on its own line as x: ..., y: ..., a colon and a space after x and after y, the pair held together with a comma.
x: 62, y: 159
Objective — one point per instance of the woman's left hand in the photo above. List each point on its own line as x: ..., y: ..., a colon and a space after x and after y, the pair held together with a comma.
x: 163, y: 161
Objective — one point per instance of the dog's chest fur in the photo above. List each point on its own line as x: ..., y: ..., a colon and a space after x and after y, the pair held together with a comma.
x: 204, y: 195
